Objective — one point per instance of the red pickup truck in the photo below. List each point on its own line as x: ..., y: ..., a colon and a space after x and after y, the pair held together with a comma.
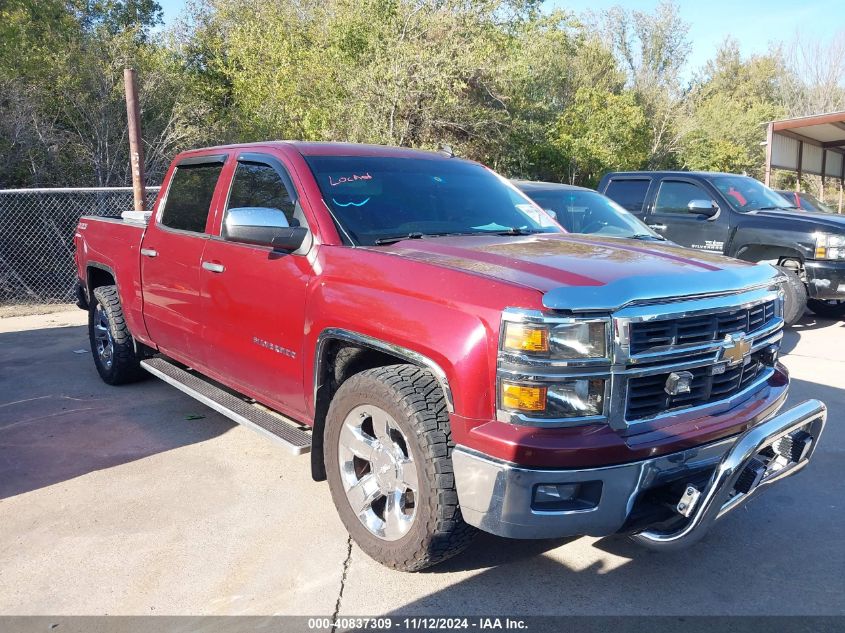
x: 452, y: 359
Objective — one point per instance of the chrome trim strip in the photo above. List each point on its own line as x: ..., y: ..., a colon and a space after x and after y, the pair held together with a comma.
x: 368, y: 341
x: 658, y: 289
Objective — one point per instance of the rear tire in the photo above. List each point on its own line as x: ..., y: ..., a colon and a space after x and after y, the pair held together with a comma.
x: 829, y: 309
x: 388, y: 451
x: 795, y: 297
x: 115, y: 354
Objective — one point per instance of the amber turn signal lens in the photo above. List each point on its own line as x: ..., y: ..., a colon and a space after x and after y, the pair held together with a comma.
x: 521, y: 337
x: 523, y: 397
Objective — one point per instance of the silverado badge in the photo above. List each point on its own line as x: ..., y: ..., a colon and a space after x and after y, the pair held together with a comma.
x: 736, y: 348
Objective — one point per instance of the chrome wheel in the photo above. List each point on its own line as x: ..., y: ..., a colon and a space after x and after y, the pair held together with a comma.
x: 102, y: 337
x: 378, y: 472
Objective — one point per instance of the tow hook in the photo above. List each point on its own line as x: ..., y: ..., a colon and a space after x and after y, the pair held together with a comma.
x: 688, y: 500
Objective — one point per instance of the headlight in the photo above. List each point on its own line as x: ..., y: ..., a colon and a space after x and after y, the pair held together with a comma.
x: 571, y: 398
x: 830, y: 246
x: 569, y: 340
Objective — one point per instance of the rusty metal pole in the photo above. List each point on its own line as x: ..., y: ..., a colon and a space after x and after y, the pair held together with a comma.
x: 136, y: 148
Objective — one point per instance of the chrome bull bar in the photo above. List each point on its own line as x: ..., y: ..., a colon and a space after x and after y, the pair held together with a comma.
x: 757, y: 452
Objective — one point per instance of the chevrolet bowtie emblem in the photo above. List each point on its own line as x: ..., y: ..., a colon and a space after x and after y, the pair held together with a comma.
x: 736, y: 348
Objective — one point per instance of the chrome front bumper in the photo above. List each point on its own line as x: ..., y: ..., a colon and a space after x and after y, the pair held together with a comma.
x: 499, y: 497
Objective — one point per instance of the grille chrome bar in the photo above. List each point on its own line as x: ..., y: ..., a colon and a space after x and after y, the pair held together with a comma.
x: 648, y: 336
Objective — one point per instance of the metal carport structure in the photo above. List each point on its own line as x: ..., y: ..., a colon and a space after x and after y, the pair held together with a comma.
x: 808, y: 145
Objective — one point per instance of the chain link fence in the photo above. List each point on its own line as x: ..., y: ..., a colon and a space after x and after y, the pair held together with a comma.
x: 36, y: 238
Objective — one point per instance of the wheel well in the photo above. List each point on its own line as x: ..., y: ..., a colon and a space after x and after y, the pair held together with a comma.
x: 98, y: 277
x: 339, y: 360
x: 779, y: 256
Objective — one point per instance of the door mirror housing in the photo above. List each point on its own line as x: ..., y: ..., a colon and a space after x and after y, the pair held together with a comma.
x: 703, y: 207
x: 263, y: 226
x: 290, y: 239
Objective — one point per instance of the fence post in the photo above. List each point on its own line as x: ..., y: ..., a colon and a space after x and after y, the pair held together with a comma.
x: 136, y: 149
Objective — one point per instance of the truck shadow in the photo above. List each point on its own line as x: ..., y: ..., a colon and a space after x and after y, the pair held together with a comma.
x: 58, y: 420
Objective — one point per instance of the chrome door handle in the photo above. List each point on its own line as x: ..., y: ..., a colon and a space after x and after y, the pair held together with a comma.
x: 657, y: 227
x: 213, y: 267
x: 149, y: 252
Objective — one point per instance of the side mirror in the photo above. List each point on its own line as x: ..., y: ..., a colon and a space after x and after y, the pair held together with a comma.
x: 289, y: 239
x: 703, y: 207
x: 263, y: 226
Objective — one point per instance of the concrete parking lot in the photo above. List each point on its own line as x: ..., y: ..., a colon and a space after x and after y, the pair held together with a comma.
x: 138, y: 500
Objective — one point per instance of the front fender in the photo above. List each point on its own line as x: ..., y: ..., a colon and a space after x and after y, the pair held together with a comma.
x: 770, y: 243
x: 431, y: 315
x: 454, y: 344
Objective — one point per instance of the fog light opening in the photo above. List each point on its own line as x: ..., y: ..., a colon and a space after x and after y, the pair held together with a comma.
x: 566, y: 497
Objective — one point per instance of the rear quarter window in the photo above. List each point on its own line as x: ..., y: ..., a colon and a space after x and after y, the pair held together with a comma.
x: 628, y: 193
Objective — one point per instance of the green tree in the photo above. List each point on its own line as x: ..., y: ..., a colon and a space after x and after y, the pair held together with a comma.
x: 653, y: 49
x: 602, y: 131
x: 731, y: 101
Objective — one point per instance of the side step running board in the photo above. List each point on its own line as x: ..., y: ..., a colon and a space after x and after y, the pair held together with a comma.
x: 273, y: 425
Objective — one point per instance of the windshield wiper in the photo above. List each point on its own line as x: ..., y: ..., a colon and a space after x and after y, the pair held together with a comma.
x: 647, y: 236
x: 514, y: 230
x: 398, y: 238
x: 392, y: 239
x: 774, y: 208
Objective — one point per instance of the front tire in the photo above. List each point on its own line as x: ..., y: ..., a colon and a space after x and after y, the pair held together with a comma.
x: 794, y: 297
x: 828, y: 308
x: 388, y: 462
x: 115, y: 354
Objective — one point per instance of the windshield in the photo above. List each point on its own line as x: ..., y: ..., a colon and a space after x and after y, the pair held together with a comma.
x: 376, y: 198
x: 580, y: 211
x: 747, y: 194
x: 810, y: 203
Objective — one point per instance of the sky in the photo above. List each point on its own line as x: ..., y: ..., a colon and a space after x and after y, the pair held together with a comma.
x: 753, y: 23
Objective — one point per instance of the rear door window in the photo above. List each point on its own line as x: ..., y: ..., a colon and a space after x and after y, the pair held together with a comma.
x: 629, y: 193
x: 189, y: 196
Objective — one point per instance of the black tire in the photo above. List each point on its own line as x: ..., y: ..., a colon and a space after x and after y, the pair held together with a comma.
x: 412, y: 397
x: 122, y: 365
x: 795, y: 297
x: 829, y: 309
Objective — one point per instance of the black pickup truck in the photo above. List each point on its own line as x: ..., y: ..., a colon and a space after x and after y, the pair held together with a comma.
x: 740, y: 217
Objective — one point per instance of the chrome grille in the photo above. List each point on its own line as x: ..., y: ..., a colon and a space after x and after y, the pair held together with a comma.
x: 650, y: 335
x: 647, y: 398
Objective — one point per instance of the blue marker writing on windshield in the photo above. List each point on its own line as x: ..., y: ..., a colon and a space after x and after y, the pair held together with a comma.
x: 354, y: 204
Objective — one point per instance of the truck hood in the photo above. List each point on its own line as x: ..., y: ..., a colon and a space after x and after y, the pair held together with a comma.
x: 578, y: 272
x: 819, y: 221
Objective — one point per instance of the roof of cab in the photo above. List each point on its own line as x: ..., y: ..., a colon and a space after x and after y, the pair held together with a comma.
x: 537, y: 185
x: 687, y: 174
x: 317, y: 148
